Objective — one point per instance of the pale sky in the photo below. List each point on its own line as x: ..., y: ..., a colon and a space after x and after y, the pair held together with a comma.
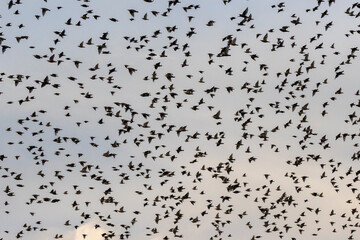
x: 204, y: 119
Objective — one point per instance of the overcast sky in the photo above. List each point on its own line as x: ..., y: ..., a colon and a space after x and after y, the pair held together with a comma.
x: 204, y: 119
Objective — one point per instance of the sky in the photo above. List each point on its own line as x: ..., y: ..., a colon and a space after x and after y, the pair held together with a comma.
x: 204, y: 119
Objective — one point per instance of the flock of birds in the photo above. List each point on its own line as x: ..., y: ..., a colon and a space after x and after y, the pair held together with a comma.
x: 153, y: 119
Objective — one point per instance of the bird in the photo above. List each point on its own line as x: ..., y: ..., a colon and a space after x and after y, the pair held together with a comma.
x: 177, y: 122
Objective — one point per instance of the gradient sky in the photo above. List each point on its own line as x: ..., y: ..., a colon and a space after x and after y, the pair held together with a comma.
x: 90, y: 105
